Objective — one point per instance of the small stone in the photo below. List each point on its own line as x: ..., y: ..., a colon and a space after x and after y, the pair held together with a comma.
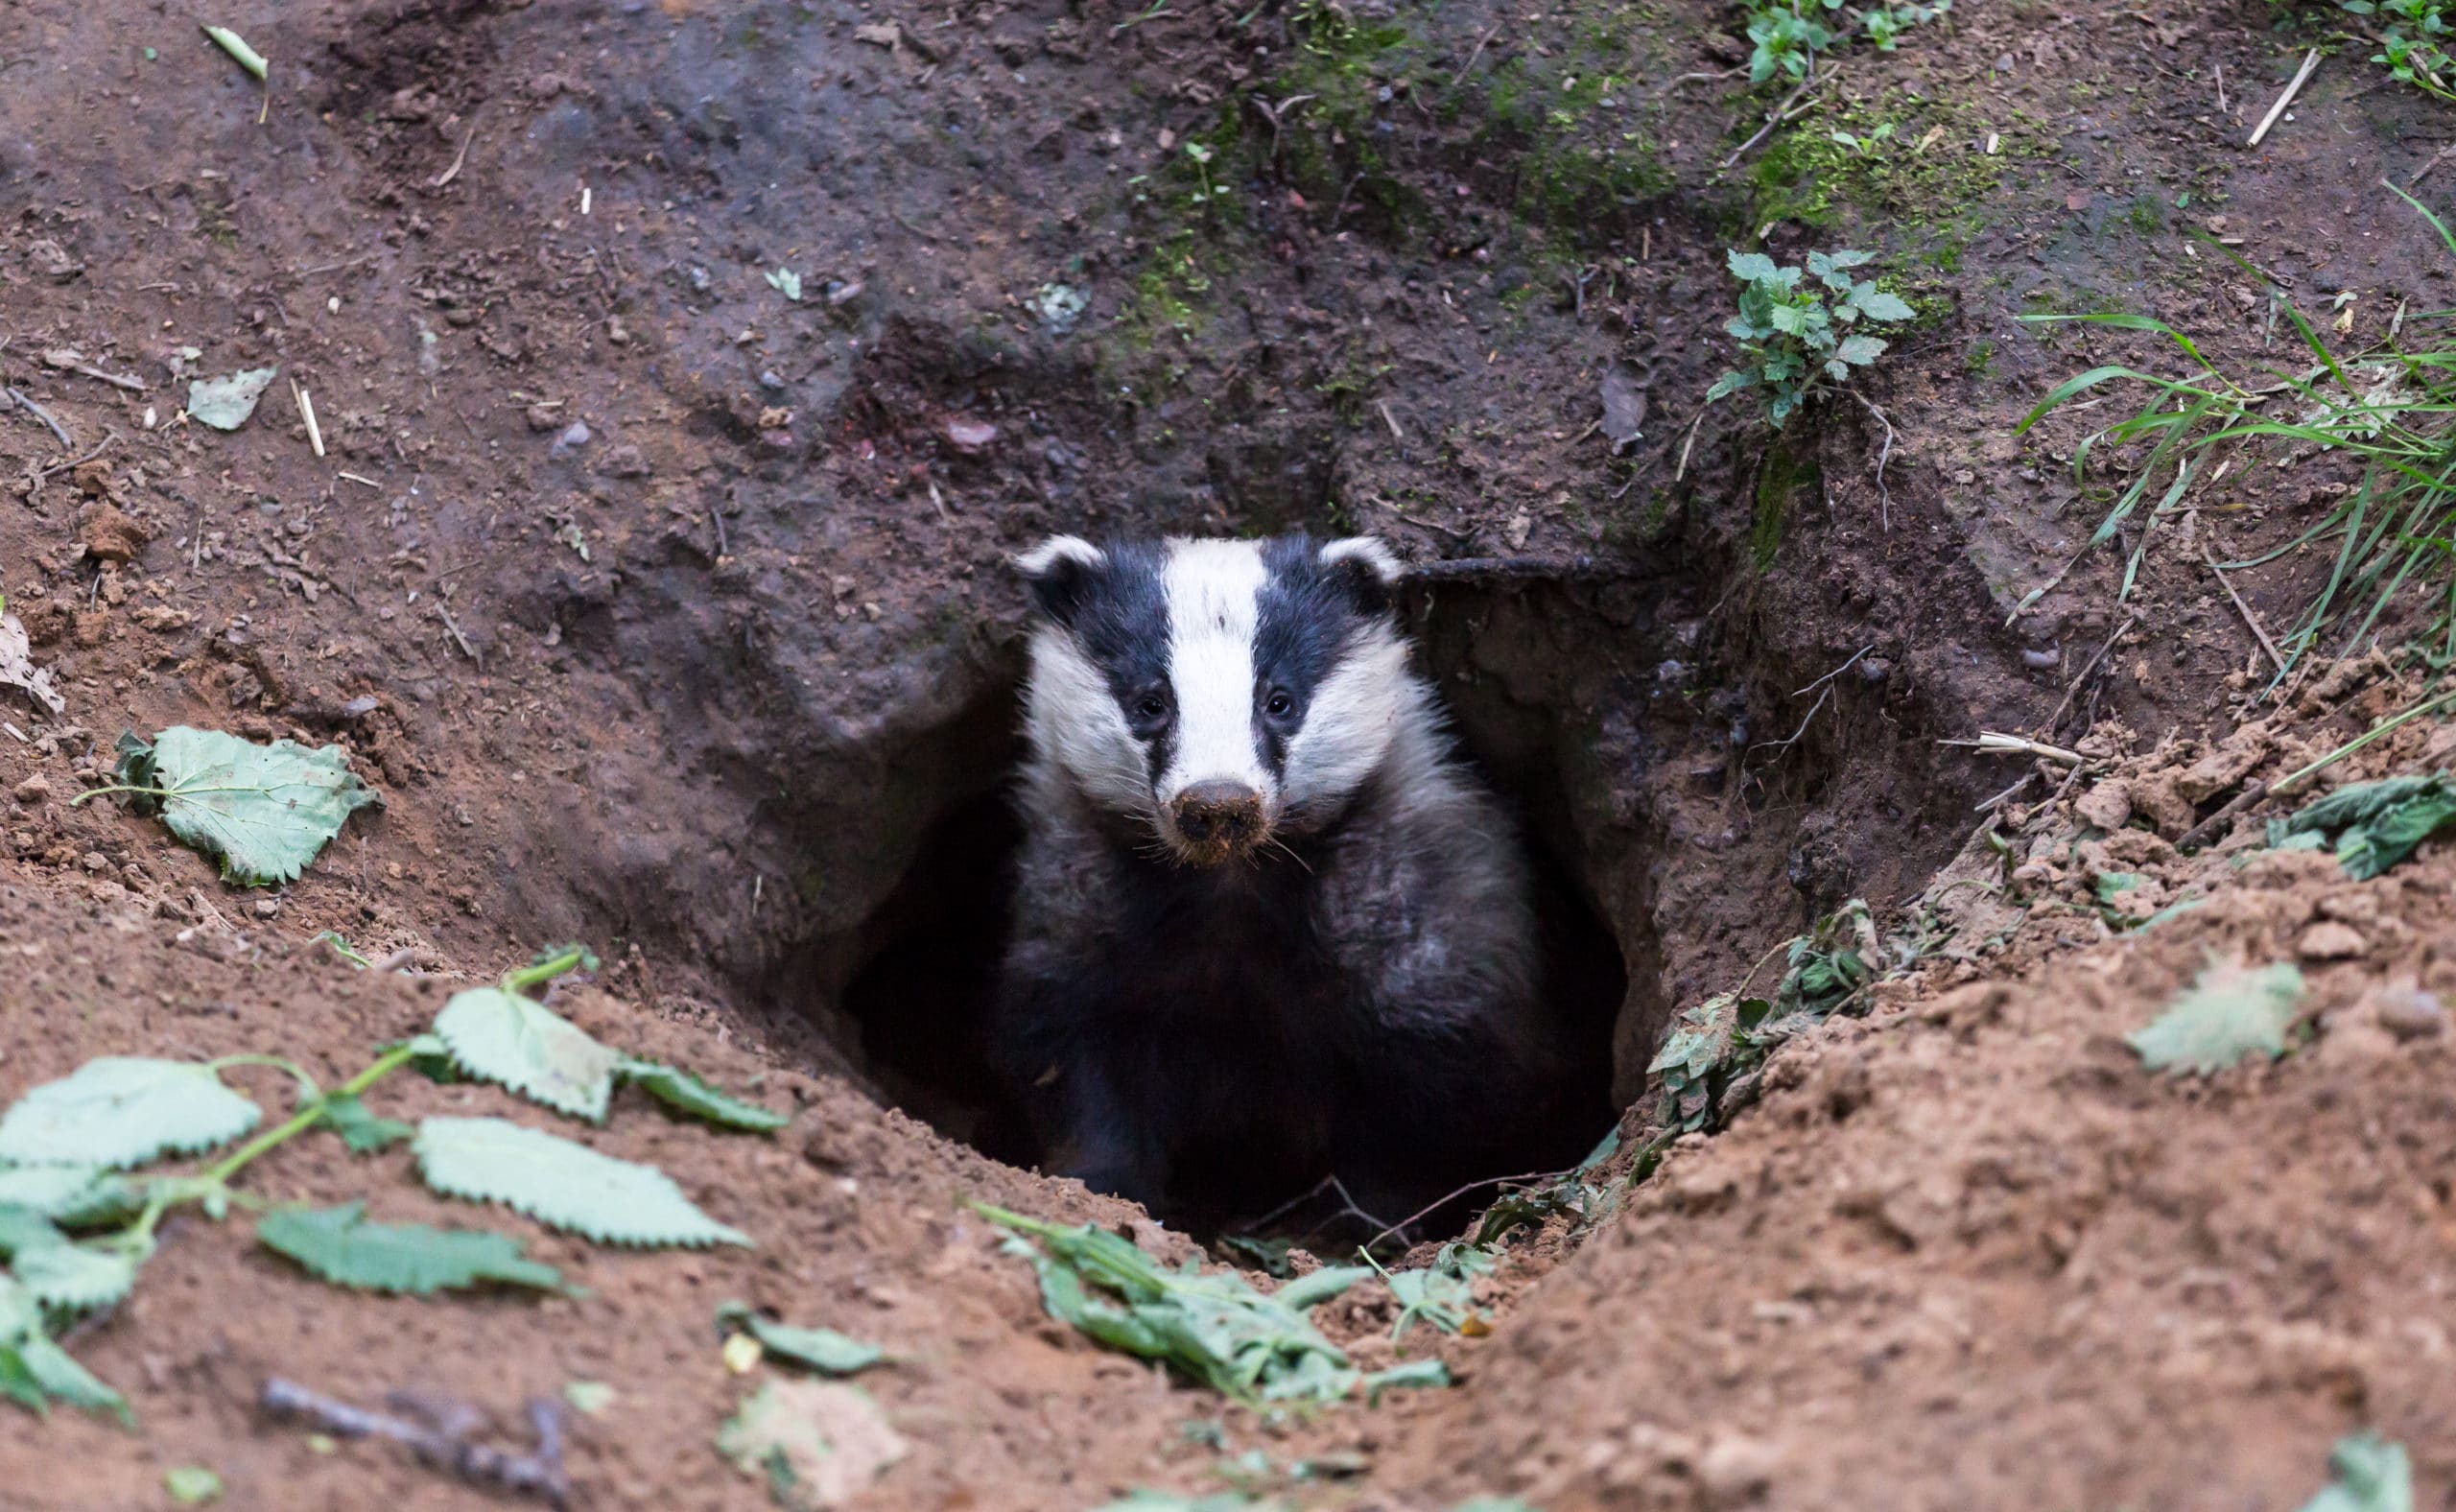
x: 34, y: 790
x: 268, y: 907
x: 111, y: 534
x: 575, y: 435
x: 2411, y: 1013
x: 542, y: 418
x: 49, y: 260
x: 2331, y: 940
x: 970, y: 435
x: 625, y: 462
x: 95, y: 861
x: 2108, y: 805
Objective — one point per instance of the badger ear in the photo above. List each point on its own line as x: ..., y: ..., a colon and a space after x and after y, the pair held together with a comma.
x: 1061, y: 572
x: 1364, y: 568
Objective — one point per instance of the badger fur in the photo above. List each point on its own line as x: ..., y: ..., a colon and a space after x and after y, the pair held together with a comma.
x: 1267, y: 926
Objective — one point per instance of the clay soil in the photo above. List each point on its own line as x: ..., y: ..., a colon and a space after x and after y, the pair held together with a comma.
x: 668, y: 612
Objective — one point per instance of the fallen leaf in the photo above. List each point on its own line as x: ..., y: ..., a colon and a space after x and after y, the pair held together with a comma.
x: 2228, y: 1012
x: 1624, y: 403
x: 226, y: 403
x: 816, y: 1443
x: 17, y: 668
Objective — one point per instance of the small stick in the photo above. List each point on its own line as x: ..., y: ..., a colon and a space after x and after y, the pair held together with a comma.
x: 1388, y: 420
x: 307, y: 413
x: 1885, y: 495
x: 2243, y: 608
x: 2310, y: 61
x: 1836, y: 672
x: 2057, y: 718
x: 44, y: 416
x: 115, y: 380
x: 1989, y: 743
x: 2199, y: 835
x: 2357, y: 744
x: 2221, y: 88
x: 109, y: 437
x: 355, y: 479
x: 2436, y: 159
x: 467, y: 650
x: 459, y: 157
x: 2005, y: 796
x: 1781, y: 113
x: 1472, y: 56
x: 1812, y: 709
x: 1439, y: 1203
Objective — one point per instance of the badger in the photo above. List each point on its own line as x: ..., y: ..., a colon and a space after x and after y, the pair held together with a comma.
x: 1266, y: 926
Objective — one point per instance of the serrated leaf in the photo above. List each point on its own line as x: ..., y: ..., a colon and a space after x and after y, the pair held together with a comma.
x: 2372, y: 1475
x: 1849, y: 259
x: 817, y: 1444
x: 75, y: 1278
x: 686, y: 1094
x: 821, y: 1349
x: 76, y: 1195
x: 2226, y: 1013
x: 226, y: 403
x: 24, y: 1228
x: 363, y: 1132
x: 56, y: 1372
x: 121, y: 1111
x: 1860, y: 350
x: 262, y: 811
x: 18, y: 1384
x: 1730, y: 382
x: 339, y: 1245
x: 561, y: 1184
x: 1790, y: 319
x: 1752, y: 267
x: 502, y: 1037
x: 1877, y: 305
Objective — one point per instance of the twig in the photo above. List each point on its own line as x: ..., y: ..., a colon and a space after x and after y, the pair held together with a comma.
x: 1781, y: 113
x: 1438, y: 1203
x: 1450, y: 530
x: 723, y: 548
x: 2199, y: 834
x: 442, y: 1439
x: 461, y: 156
x: 2005, y: 796
x: 108, y: 438
x: 83, y: 369
x: 467, y: 650
x: 2424, y: 171
x: 2357, y: 744
x: 1549, y: 569
x: 2243, y: 608
x: 1836, y: 672
x: 1884, y: 454
x: 1732, y: 72
x: 1682, y: 471
x: 2221, y: 88
x: 2088, y: 667
x: 2310, y: 61
x: 307, y: 413
x: 1391, y: 421
x: 333, y: 267
x: 1480, y: 43
x: 44, y: 416
x: 1990, y: 742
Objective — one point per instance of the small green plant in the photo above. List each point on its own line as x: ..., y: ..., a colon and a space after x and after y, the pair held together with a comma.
x: 76, y: 1225
x: 1796, y: 340
x: 1789, y: 34
x: 1885, y: 24
x: 2413, y: 40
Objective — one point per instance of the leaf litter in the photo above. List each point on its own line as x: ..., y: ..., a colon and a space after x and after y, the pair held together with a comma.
x: 18, y: 667
x: 820, y: 1349
x: 2373, y: 825
x: 816, y: 1443
x: 226, y: 403
x: 2229, y: 1011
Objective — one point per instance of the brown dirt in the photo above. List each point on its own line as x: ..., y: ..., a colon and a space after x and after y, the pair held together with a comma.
x: 705, y: 688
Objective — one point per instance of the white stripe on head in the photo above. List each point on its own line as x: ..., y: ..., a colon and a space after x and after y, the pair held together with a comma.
x: 1349, y: 727
x: 1214, y: 591
x: 1071, y: 719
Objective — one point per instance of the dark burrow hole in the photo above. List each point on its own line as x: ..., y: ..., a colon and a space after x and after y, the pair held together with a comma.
x: 1553, y: 738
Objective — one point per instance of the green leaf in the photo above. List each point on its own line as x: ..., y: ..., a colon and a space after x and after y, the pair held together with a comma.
x: 816, y: 1443
x: 1427, y: 1372
x: 1860, y: 350
x: 24, y: 1229
x: 589, y: 1398
x: 2376, y: 824
x: 76, y: 1277
x: 262, y: 811
x: 1845, y: 259
x: 1752, y: 267
x: 1315, y: 1288
x: 339, y: 1245
x: 786, y: 282
x: 76, y: 1195
x: 502, y: 1037
x: 558, y: 1183
x: 821, y: 1349
x: 123, y: 1111
x: 2372, y: 1475
x: 1790, y: 319
x: 2226, y: 1013
x: 18, y: 1384
x: 1730, y: 382
x: 686, y: 1094
x: 56, y: 1372
x: 226, y: 403
x: 1877, y: 305
x: 246, y: 57
x: 1438, y: 1298
x: 362, y: 1131
x: 191, y: 1485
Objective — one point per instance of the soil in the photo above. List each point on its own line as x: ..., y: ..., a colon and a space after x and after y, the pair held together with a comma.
x: 668, y: 611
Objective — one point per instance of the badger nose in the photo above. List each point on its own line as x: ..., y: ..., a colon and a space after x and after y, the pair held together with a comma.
x: 1220, y: 813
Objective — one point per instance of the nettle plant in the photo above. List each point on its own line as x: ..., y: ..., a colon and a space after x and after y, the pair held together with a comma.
x: 1787, y: 34
x: 82, y: 1195
x: 1797, y: 335
x: 2412, y: 41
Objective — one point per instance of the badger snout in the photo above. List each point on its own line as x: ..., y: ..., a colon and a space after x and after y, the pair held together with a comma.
x: 1217, y: 820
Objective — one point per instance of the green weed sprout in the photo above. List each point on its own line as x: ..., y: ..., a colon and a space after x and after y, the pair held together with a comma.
x: 1799, y: 336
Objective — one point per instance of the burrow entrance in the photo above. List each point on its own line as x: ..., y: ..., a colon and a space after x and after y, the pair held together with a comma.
x: 1545, y: 680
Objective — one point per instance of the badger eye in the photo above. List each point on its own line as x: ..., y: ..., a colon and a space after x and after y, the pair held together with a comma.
x: 1278, y: 705
x: 1151, y: 706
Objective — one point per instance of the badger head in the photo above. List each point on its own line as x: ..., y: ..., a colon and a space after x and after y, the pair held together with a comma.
x: 1219, y: 693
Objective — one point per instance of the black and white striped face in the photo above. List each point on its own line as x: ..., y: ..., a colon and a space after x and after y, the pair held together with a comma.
x: 1218, y: 691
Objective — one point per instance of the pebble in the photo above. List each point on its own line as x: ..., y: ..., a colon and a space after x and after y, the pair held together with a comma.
x: 268, y: 907
x: 2412, y: 1013
x: 95, y: 861
x: 575, y: 435
x: 2331, y: 940
x: 34, y: 790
